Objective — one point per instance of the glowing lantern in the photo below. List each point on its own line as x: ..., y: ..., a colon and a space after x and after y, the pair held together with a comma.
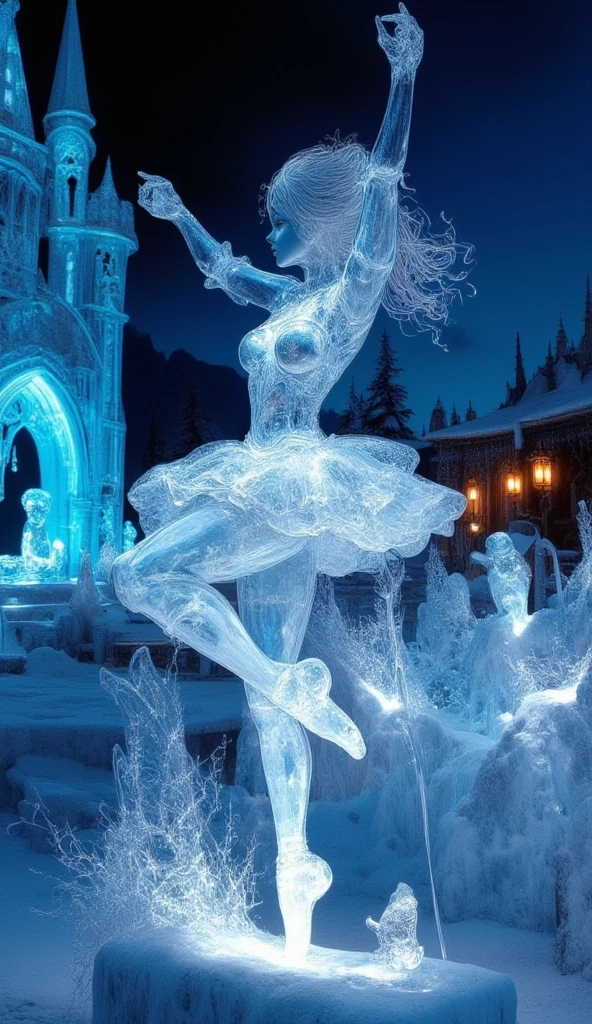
x: 542, y: 474
x: 473, y: 498
x: 514, y: 484
x: 474, y: 527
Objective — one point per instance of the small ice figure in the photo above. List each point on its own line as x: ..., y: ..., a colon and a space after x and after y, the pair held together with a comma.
x: 508, y: 575
x: 41, y: 559
x: 398, y: 947
x: 129, y: 535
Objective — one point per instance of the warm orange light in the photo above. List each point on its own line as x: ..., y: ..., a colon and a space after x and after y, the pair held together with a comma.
x: 474, y: 527
x: 542, y: 473
x: 514, y: 484
x: 472, y: 491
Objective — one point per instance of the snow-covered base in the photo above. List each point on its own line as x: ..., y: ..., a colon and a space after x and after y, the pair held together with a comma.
x: 164, y: 977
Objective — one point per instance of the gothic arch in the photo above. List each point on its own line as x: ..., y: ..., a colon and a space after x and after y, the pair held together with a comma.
x: 46, y: 409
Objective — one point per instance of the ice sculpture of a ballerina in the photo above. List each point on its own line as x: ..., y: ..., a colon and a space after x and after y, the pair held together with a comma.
x: 289, y: 502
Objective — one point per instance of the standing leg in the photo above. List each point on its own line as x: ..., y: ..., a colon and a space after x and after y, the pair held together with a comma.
x: 275, y: 607
x: 168, y: 576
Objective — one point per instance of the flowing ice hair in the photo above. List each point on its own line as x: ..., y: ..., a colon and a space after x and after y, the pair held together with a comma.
x: 321, y: 189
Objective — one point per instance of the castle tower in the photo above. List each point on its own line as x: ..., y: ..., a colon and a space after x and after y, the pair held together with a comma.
x: 109, y: 239
x: 454, y: 417
x: 68, y: 125
x: 470, y: 413
x: 438, y: 417
x: 22, y: 168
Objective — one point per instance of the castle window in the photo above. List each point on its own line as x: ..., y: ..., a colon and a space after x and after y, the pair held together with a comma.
x: 20, y: 207
x: 72, y: 183
x: 70, y: 278
x: 8, y: 93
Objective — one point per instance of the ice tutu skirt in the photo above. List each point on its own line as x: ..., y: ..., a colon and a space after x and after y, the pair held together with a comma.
x: 354, y: 496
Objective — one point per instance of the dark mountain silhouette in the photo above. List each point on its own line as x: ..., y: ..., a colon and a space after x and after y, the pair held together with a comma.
x: 153, y: 386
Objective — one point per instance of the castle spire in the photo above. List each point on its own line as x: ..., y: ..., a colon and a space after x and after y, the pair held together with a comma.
x: 69, y: 92
x: 106, y: 189
x: 520, y: 382
x: 549, y: 369
x: 438, y: 417
x: 561, y: 342
x: 585, y: 346
x: 15, y: 112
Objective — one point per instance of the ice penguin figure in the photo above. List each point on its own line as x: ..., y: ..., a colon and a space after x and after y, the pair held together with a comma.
x: 288, y: 503
x: 508, y: 575
x: 398, y: 947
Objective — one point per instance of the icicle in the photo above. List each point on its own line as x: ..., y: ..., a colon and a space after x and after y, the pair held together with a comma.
x: 518, y: 439
x: 14, y: 460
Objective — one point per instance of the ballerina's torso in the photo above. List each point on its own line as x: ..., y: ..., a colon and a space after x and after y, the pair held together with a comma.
x: 294, y: 359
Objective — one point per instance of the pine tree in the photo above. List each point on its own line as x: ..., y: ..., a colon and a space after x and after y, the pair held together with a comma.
x: 154, y: 452
x: 351, y: 419
x: 386, y: 411
x: 195, y: 426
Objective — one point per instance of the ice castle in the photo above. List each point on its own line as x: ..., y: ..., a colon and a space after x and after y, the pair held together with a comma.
x: 61, y: 326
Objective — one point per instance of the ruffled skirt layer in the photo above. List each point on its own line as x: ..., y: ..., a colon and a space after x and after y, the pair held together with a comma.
x: 355, y: 496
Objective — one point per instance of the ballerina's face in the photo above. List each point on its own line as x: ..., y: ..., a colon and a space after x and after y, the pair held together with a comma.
x: 283, y: 238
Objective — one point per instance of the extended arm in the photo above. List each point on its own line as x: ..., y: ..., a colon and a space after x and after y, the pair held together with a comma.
x: 242, y: 282
x: 373, y: 253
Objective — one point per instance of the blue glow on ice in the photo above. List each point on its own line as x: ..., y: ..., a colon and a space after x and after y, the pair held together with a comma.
x: 508, y: 575
x: 61, y: 337
x: 41, y: 560
x: 290, y: 503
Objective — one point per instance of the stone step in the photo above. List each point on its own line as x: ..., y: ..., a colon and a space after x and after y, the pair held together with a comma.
x: 61, y: 791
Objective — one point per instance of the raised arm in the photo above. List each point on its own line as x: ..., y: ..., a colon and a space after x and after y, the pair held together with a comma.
x: 374, y: 248
x: 235, y: 275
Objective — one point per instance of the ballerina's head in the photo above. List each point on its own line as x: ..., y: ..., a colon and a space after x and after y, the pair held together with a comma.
x: 314, y: 203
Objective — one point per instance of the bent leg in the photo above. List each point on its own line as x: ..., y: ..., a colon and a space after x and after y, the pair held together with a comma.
x: 168, y: 577
x: 275, y: 607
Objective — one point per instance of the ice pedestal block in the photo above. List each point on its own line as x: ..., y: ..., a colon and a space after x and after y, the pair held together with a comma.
x: 165, y: 977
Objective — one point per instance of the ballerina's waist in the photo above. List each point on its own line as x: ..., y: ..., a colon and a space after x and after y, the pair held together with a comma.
x: 299, y: 440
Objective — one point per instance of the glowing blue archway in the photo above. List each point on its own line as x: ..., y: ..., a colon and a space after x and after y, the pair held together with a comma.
x: 35, y: 399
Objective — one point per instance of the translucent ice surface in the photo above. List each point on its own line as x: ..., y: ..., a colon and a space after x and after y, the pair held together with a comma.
x: 398, y: 947
x: 289, y: 503
x: 41, y: 560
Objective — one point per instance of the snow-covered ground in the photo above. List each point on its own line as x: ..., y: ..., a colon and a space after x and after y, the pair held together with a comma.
x: 37, y: 982
x: 57, y: 729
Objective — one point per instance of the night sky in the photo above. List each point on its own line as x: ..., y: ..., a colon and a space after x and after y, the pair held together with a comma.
x: 217, y: 98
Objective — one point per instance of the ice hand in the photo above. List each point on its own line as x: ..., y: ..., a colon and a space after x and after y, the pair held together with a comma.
x: 158, y: 197
x: 404, y: 48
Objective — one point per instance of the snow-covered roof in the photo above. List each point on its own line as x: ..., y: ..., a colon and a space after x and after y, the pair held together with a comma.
x: 571, y: 396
